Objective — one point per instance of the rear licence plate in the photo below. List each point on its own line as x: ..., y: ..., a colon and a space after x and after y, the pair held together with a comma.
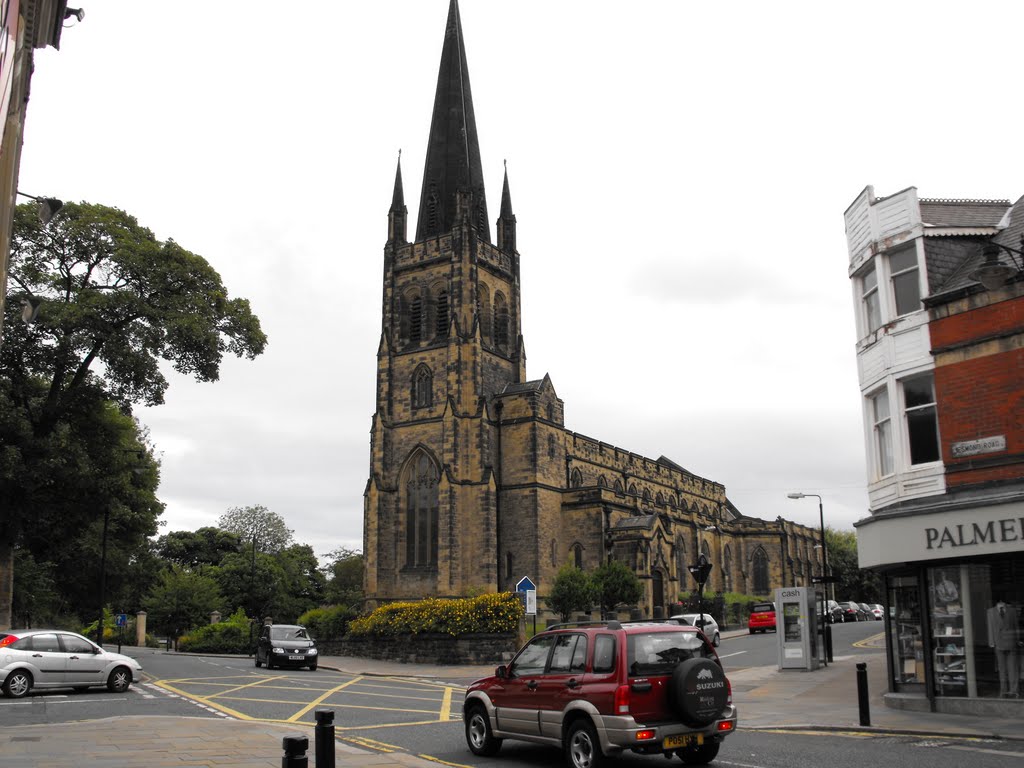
x: 295, y: 658
x: 683, y: 740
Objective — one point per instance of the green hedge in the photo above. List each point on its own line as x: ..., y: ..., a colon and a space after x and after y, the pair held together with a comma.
x: 329, y: 623
x: 230, y: 636
x: 492, y: 613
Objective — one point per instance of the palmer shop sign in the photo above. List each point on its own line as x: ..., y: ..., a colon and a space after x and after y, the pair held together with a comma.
x: 962, y: 533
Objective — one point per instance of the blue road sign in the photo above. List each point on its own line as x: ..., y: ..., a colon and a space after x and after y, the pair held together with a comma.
x: 121, y: 620
x: 525, y: 585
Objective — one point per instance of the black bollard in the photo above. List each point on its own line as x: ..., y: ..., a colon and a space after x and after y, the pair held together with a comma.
x: 862, y: 693
x: 828, y: 643
x: 323, y: 736
x: 295, y: 752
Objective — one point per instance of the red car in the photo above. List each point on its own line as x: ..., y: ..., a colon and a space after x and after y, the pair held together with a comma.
x: 762, y: 618
x: 598, y: 689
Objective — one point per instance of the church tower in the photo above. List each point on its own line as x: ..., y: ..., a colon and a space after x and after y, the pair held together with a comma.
x: 450, y: 342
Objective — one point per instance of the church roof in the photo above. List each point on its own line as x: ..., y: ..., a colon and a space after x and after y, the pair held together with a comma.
x: 523, y: 386
x: 635, y: 521
x: 453, y: 149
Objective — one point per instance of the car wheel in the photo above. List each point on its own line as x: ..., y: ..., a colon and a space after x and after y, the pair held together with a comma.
x: 751, y: 630
x: 119, y: 679
x: 717, y: 640
x: 479, y: 737
x: 18, y: 684
x: 582, y: 748
x: 312, y: 667
x: 698, y: 692
x: 701, y: 755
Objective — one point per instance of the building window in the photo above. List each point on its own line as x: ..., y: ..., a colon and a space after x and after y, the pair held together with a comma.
x: 500, y: 321
x: 922, y: 424
x: 681, y: 563
x: 422, y: 512
x: 618, y: 486
x: 554, y: 553
x: 905, y: 285
x: 883, y: 433
x: 577, y: 555
x: 551, y: 446
x: 727, y: 569
x: 509, y: 565
x: 869, y: 293
x: 575, y: 479
x: 483, y: 309
x: 601, y: 482
x: 441, y: 327
x: 760, y: 566
x: 422, y: 387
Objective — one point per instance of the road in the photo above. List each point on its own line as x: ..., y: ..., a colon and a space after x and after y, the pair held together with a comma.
x: 423, y: 717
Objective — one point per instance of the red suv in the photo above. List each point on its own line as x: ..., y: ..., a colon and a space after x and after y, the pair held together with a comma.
x: 597, y: 689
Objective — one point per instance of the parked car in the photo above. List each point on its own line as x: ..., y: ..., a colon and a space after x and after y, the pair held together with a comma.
x: 851, y: 611
x: 51, y: 658
x: 596, y: 690
x: 705, y: 622
x: 285, y: 645
x: 762, y: 618
x: 833, y: 613
x: 877, y: 610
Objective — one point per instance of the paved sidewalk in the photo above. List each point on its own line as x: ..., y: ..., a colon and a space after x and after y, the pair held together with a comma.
x: 766, y: 697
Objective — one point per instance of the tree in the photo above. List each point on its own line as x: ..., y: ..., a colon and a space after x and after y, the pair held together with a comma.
x: 110, y: 295
x: 853, y: 582
x: 257, y: 524
x: 572, y: 590
x: 195, y: 549
x: 303, y: 583
x: 344, y: 573
x: 615, y: 584
x: 256, y: 584
x: 181, y: 600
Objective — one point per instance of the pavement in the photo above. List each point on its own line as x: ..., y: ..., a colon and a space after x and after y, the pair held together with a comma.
x: 767, y: 699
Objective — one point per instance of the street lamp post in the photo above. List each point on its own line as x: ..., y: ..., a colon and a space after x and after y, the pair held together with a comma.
x: 826, y: 630
x: 103, y: 572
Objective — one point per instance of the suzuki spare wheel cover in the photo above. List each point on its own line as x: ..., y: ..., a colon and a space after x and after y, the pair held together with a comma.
x: 699, y: 691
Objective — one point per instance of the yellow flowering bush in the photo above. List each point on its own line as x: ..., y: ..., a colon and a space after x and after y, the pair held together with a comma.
x: 491, y: 613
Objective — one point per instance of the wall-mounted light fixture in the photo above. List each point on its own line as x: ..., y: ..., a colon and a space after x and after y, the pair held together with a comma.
x: 48, y: 206
x: 994, y: 272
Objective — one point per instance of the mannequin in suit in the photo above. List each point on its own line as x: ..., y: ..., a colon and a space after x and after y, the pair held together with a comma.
x: 1004, y: 636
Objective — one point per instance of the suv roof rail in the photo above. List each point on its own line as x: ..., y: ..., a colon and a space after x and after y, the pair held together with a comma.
x: 608, y: 624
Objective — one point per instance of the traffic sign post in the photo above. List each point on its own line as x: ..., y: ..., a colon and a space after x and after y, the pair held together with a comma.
x: 120, y: 621
x: 700, y: 573
x: 527, y: 592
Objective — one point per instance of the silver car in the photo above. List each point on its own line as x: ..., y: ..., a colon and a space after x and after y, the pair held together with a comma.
x: 53, y: 658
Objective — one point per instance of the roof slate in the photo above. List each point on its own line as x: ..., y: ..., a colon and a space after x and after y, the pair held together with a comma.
x: 962, y: 213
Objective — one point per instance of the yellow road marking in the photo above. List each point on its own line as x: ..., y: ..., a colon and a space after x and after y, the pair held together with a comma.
x: 320, y: 699
x: 866, y: 642
x: 243, y: 687
x: 446, y: 705
x: 443, y: 762
x: 234, y: 713
x: 374, y: 744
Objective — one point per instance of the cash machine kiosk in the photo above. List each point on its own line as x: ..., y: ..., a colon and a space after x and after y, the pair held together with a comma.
x: 795, y: 627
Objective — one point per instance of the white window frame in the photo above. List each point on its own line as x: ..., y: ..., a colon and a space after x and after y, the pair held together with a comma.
x: 894, y: 274
x: 869, y: 295
x: 882, y: 429
x: 907, y: 410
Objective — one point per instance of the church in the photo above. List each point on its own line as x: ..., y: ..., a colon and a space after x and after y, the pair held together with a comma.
x: 475, y: 481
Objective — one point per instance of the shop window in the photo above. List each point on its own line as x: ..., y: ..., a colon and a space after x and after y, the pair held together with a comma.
x: 907, y: 646
x: 922, y: 424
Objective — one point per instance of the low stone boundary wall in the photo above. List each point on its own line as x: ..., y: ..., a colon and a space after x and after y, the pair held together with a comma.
x: 427, y: 648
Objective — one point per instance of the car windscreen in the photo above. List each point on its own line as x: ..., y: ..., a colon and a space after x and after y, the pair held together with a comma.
x: 763, y: 608
x: 287, y: 633
x: 658, y: 653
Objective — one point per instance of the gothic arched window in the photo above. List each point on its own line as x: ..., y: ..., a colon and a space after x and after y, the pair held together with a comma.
x: 422, y: 387
x: 618, y: 486
x: 501, y: 333
x: 441, y: 324
x: 681, y: 563
x: 577, y: 555
x: 483, y: 310
x: 760, y: 568
x: 416, y: 318
x: 421, y: 512
x: 601, y: 482
x: 727, y: 568
x: 575, y: 479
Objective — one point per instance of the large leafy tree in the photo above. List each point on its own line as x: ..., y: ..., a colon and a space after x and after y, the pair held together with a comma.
x: 572, y: 590
x: 181, y: 600
x: 266, y: 530
x: 112, y: 303
x: 615, y: 584
x: 853, y: 582
x: 196, y: 549
x: 344, y: 572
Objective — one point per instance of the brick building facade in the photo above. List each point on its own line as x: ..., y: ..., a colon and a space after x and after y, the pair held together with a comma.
x: 939, y: 297
x: 475, y: 481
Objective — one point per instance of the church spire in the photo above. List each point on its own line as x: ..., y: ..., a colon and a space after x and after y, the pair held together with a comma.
x: 398, y: 215
x: 453, y: 150
x: 507, y: 220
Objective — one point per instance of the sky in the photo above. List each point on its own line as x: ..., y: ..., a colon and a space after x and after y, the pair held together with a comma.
x: 678, y: 170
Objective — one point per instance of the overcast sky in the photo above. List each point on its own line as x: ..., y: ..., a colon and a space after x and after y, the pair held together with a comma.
x: 679, y: 172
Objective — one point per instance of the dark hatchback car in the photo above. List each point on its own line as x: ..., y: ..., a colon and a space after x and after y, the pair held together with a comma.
x: 285, y: 645
x: 851, y: 611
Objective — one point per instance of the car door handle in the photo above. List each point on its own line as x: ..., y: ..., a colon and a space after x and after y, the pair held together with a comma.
x: 37, y: 655
x: 574, y: 683
x: 532, y: 685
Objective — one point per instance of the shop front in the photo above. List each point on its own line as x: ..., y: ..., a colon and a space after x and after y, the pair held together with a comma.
x: 954, y: 581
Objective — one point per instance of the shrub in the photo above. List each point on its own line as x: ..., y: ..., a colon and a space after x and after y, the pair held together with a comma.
x: 329, y: 623
x: 230, y: 636
x: 488, y: 613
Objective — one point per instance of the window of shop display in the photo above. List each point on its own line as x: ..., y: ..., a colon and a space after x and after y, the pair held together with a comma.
x: 907, y: 647
x: 977, y: 628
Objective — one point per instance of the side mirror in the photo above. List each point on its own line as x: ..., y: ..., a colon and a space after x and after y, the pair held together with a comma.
x: 501, y: 672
